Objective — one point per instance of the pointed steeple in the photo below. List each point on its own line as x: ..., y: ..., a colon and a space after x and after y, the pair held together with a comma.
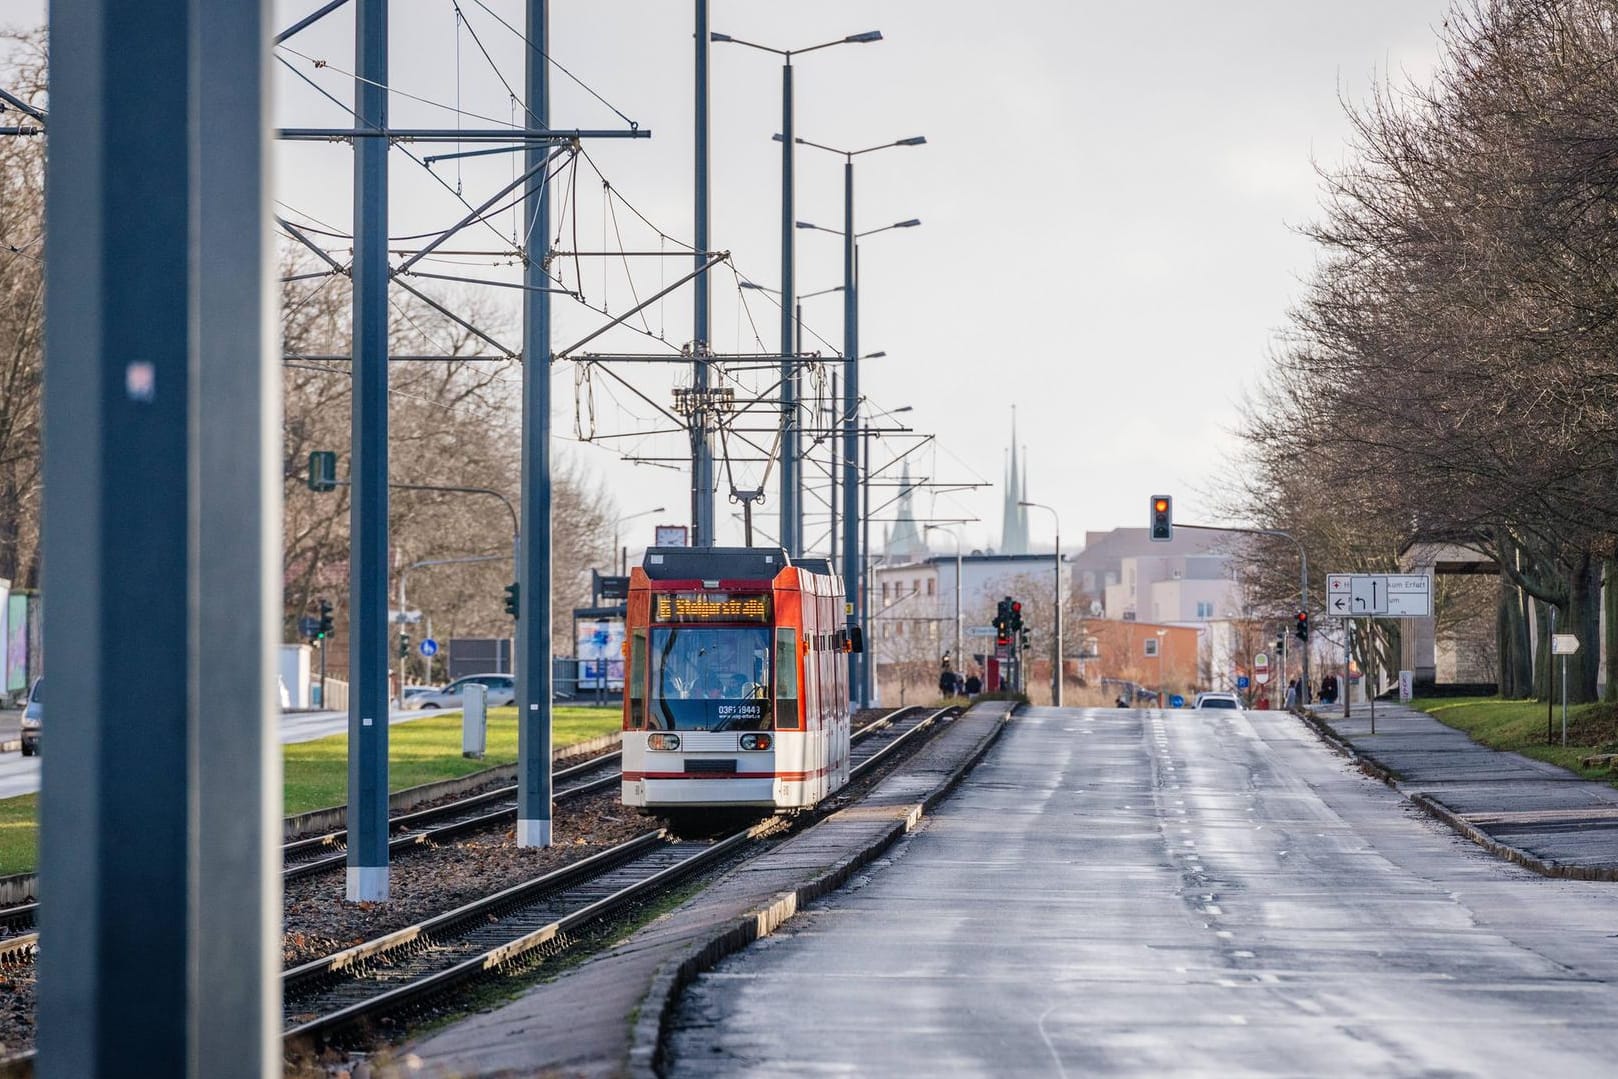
x: 1014, y: 518
x: 904, y: 542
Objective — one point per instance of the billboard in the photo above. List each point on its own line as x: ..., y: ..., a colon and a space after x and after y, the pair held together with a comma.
x: 599, y: 640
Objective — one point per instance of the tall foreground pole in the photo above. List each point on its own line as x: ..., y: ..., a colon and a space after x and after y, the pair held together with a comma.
x: 791, y: 508
x: 702, y: 463
x: 851, y: 438
x: 368, y: 514
x: 534, y: 566
x: 162, y: 525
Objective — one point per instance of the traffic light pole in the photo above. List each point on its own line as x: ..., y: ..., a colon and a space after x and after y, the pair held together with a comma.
x: 1303, y: 585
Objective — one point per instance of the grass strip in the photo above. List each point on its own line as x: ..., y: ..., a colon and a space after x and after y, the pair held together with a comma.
x: 1519, y: 726
x: 315, y: 774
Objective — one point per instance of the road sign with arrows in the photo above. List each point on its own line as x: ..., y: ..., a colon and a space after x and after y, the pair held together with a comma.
x: 1386, y: 595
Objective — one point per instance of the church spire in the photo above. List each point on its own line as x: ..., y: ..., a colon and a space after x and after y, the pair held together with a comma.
x: 1014, y: 518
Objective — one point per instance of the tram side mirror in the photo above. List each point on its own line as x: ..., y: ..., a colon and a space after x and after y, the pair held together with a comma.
x: 856, y: 639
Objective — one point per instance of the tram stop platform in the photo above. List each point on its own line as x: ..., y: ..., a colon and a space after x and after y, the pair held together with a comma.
x: 603, y: 1018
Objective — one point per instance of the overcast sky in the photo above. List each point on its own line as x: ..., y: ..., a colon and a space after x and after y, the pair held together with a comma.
x: 1108, y: 195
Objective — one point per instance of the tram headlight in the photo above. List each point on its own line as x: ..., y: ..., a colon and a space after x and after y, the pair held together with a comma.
x: 756, y: 741
x: 666, y: 742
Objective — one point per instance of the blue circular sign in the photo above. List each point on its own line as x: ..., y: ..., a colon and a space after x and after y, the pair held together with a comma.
x: 428, y: 647
x: 1176, y: 701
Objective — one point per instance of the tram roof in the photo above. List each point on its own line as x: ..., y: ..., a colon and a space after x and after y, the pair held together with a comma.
x: 726, y: 563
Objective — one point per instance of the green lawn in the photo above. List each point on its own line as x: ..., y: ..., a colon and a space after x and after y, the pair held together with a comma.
x: 19, y: 833
x: 316, y: 773
x: 1520, y: 726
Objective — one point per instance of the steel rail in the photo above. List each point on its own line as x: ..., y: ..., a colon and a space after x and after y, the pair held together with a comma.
x: 478, y: 914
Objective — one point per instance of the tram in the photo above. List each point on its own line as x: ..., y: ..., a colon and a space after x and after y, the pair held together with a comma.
x: 735, y: 681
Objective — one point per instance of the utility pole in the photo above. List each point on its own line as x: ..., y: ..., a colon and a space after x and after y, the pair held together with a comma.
x: 533, y: 659
x: 368, y: 581
x: 702, y: 462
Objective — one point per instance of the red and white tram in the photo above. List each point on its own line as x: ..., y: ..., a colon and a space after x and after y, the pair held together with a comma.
x: 735, y: 685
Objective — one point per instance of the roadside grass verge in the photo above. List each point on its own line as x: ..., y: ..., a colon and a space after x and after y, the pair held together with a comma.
x: 1519, y: 726
x: 315, y: 774
x: 19, y: 834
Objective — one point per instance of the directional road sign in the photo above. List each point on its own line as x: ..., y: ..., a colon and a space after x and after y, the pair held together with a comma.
x: 1367, y: 595
x: 1564, y: 644
x: 428, y: 647
x: 979, y: 631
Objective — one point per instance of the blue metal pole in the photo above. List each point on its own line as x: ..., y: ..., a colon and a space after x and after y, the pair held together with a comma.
x: 851, y: 437
x: 534, y: 574
x: 236, y: 524
x: 368, y: 559
x: 702, y: 463
x: 791, y: 511
x: 113, y: 997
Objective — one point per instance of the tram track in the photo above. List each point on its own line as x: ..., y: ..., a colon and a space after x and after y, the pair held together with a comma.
x: 395, y: 972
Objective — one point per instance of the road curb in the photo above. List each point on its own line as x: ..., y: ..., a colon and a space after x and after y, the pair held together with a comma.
x: 647, y: 1047
x: 1445, y: 815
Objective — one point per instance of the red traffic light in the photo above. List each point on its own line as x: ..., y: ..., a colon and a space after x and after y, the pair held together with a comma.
x: 1016, y: 608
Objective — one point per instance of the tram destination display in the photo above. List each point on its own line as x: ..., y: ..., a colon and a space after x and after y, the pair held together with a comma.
x: 711, y: 607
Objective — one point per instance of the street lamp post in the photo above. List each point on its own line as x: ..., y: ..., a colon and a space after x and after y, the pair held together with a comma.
x: 1056, y: 657
x: 623, y: 558
x: 956, y: 536
x: 853, y: 557
x: 1162, y: 642
x: 791, y: 509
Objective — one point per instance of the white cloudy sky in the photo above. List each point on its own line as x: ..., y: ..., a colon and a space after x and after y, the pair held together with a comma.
x: 1107, y: 194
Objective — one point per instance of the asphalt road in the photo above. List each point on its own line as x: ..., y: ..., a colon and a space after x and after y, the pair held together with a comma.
x: 1129, y: 893
x: 20, y: 775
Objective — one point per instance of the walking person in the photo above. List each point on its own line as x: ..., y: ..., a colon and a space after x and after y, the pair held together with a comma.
x: 1292, y: 695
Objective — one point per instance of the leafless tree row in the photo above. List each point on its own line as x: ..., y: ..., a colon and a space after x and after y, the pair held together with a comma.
x: 453, y: 423
x: 1452, y: 372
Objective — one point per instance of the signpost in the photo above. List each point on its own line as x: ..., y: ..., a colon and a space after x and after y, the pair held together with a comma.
x: 1564, y: 645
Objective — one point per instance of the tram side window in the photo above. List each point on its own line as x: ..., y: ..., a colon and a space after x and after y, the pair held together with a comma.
x: 637, y: 680
x: 786, y: 679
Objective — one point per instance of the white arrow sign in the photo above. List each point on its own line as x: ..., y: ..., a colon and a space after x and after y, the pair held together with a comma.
x: 1564, y: 644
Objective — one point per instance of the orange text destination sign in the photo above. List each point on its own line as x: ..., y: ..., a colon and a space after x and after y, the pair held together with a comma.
x: 711, y: 607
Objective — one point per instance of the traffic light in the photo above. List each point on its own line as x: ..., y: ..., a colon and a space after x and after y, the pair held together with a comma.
x: 1162, y: 530
x: 323, y: 470
x: 1002, y: 622
x: 404, y: 644
x: 325, y: 621
x: 1301, y: 629
x: 1015, y: 621
x: 511, y: 599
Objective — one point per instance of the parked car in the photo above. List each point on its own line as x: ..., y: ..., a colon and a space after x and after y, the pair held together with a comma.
x: 31, y: 717
x: 1217, y: 700
x: 502, y: 691
x: 414, y: 694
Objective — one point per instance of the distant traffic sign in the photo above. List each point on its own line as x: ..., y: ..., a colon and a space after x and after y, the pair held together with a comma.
x: 979, y: 631
x: 309, y: 626
x: 1564, y: 644
x: 1242, y: 681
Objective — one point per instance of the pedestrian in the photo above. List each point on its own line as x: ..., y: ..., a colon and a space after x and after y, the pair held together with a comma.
x: 1292, y: 695
x: 974, y: 684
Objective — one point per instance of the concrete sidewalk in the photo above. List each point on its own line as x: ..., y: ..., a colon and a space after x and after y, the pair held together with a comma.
x: 604, y: 1018
x: 1535, y: 814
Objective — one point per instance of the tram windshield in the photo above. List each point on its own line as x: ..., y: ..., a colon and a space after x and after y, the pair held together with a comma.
x: 710, y: 679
